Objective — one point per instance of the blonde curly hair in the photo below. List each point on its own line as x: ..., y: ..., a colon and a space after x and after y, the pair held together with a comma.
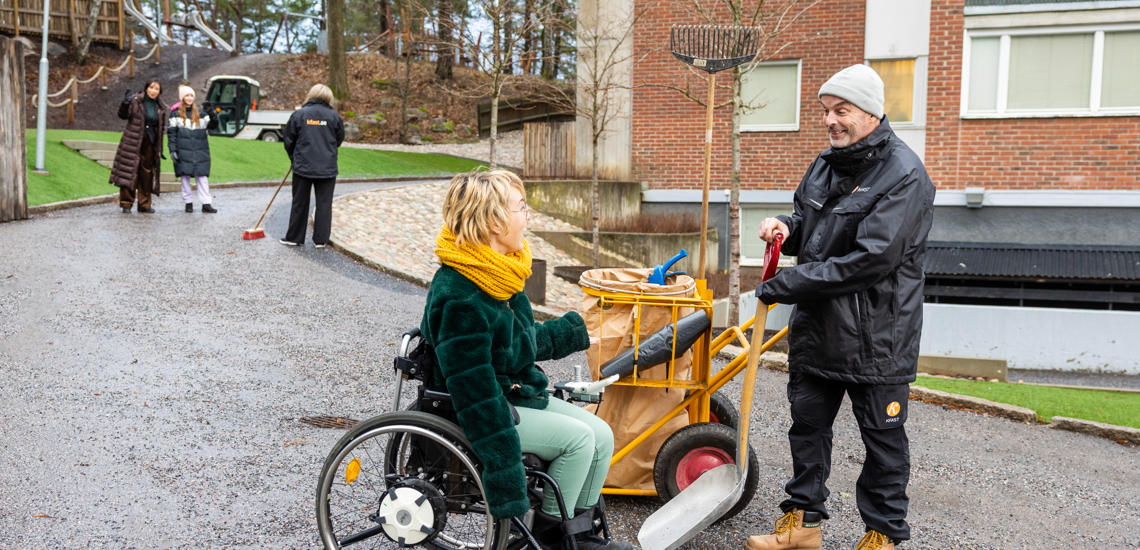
x: 476, y: 204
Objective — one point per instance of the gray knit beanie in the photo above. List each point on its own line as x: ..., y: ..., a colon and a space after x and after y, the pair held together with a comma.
x: 858, y: 84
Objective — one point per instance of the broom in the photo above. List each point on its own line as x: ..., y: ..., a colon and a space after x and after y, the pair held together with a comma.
x: 257, y: 232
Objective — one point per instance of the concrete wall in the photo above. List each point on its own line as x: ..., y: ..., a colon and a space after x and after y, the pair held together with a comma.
x: 569, y: 201
x: 1035, y: 338
x: 606, y: 24
x: 635, y: 249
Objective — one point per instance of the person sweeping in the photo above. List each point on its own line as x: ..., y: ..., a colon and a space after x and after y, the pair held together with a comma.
x: 188, y: 140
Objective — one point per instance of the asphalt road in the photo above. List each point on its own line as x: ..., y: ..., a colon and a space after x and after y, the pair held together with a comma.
x: 153, y: 368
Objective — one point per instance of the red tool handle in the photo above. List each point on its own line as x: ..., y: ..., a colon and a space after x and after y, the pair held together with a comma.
x: 772, y: 257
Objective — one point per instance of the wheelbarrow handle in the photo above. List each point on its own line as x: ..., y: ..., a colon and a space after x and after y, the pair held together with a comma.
x: 771, y: 257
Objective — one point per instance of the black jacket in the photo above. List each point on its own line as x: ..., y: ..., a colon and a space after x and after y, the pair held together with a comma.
x: 859, y: 230
x: 311, y: 138
x: 189, y: 143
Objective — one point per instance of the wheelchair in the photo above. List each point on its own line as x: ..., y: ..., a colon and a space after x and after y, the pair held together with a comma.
x: 409, y: 477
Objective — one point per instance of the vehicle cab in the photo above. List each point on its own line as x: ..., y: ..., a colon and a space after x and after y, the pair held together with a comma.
x: 233, y: 97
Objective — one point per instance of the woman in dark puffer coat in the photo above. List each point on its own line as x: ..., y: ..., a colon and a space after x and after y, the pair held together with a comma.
x: 190, y: 148
x: 137, y: 161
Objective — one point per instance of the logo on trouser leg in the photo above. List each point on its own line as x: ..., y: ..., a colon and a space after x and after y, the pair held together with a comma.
x: 893, y: 411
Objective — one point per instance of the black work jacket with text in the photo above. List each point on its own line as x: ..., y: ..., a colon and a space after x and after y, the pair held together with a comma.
x: 859, y: 227
x: 311, y: 138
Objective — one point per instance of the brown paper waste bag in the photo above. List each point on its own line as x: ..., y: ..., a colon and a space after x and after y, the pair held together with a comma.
x: 630, y: 411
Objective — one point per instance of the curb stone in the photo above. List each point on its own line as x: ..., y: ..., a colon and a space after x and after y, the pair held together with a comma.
x: 1012, y: 412
x: 1097, y: 429
x: 771, y: 360
x: 100, y: 199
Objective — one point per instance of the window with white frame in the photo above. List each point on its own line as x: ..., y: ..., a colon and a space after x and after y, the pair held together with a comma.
x: 1076, y: 71
x: 751, y: 247
x: 775, y: 86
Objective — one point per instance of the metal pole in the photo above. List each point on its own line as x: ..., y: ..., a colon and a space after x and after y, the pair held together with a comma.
x: 185, y: 74
x: 41, y: 107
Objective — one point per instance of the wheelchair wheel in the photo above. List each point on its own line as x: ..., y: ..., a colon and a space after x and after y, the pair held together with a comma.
x: 405, y: 479
x: 696, y: 449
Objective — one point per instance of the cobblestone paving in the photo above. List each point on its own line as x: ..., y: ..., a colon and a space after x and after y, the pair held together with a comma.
x: 397, y: 227
x: 508, y: 149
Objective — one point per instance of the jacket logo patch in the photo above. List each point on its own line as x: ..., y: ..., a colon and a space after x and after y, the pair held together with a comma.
x: 893, y: 409
x: 312, y: 122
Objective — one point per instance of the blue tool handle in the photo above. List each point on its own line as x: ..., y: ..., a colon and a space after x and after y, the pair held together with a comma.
x: 680, y: 255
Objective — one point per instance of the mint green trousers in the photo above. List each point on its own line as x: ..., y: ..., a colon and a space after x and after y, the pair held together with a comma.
x: 578, y: 445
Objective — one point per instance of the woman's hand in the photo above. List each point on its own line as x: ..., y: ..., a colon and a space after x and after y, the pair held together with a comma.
x: 594, y: 340
x: 128, y: 95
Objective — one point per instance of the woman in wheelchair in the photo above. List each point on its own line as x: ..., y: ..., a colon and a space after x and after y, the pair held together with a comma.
x: 486, y: 342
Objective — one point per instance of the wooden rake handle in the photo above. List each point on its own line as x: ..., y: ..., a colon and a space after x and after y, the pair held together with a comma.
x: 771, y: 258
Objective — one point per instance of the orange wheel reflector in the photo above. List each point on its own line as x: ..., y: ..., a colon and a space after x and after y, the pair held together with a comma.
x: 352, y: 470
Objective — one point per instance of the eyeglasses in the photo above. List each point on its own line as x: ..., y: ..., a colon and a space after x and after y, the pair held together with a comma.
x: 525, y: 210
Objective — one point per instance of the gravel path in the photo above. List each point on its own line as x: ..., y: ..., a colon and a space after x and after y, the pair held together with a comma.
x: 508, y: 149
x: 154, y: 367
x: 397, y: 227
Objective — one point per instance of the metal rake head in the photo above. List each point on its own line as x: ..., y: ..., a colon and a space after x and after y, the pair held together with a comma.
x: 712, y: 48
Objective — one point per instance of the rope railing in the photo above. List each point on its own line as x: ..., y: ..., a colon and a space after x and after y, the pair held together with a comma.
x: 74, y: 82
x: 66, y: 87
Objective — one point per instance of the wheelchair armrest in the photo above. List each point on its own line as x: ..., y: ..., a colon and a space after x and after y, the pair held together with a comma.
x: 444, y: 396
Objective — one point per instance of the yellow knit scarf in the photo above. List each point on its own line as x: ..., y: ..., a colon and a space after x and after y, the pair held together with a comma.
x: 500, y: 275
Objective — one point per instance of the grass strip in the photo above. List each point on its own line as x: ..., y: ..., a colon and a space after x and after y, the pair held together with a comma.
x: 1119, y: 408
x: 73, y: 176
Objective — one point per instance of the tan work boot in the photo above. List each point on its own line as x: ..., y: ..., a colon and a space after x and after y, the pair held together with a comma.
x: 790, y: 532
x: 875, y: 540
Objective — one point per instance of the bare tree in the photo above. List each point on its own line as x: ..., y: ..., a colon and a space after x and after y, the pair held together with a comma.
x: 88, y: 32
x: 495, y: 60
x: 606, y: 58
x: 776, y: 21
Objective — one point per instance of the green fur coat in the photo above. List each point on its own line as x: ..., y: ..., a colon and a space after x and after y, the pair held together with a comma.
x: 485, y: 352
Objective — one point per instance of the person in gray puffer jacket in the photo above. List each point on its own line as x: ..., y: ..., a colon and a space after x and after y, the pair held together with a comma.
x: 861, y: 216
x: 188, y: 140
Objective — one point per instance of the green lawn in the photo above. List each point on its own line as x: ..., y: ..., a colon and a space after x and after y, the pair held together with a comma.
x: 73, y: 176
x: 1120, y: 408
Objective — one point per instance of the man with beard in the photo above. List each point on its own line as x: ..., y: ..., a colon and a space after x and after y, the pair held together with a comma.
x: 861, y: 216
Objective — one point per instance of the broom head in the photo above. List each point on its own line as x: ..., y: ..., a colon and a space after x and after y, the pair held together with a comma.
x: 713, y: 48
x: 255, y: 233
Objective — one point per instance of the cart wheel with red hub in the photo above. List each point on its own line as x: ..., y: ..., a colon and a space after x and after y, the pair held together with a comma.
x: 696, y: 449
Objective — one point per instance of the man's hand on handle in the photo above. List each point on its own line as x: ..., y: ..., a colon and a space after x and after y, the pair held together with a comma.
x: 769, y: 227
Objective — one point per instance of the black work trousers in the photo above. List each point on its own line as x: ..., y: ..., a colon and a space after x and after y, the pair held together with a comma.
x: 299, y: 215
x: 880, y: 491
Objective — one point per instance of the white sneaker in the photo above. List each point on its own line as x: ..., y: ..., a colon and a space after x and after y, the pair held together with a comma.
x: 323, y: 245
x: 287, y: 243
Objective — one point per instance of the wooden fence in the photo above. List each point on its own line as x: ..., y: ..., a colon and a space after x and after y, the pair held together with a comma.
x: 549, y: 150
x: 68, y: 19
x: 13, y: 138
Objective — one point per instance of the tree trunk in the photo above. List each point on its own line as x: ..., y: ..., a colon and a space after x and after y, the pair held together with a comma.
x: 338, y: 63
x: 556, y: 49
x: 546, y: 49
x: 595, y: 203
x: 405, y: 90
x: 528, y: 37
x: 383, y: 16
x: 88, y: 32
x: 506, y: 45
x: 445, y: 55
x: 494, y: 122
x: 734, y: 208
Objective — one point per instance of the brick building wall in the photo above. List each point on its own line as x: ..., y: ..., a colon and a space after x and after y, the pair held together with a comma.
x: 1078, y: 154
x: 668, y: 128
